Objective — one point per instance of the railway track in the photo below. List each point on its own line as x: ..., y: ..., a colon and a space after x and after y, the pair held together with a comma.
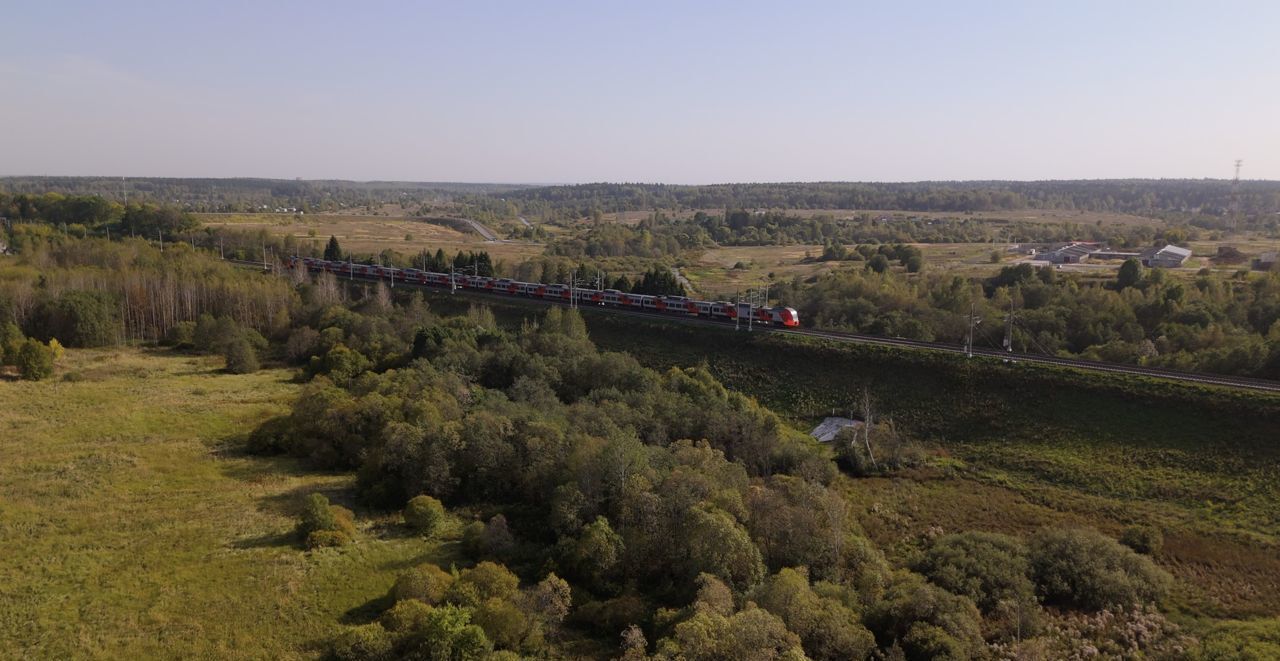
x: 984, y: 353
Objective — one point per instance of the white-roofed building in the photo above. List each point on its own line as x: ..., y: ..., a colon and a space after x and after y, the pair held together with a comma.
x: 1166, y: 257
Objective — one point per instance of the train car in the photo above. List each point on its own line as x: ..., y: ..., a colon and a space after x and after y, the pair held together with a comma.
x: 669, y: 305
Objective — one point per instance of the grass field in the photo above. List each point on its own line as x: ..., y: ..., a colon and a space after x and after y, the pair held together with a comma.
x: 131, y: 527
x: 372, y: 234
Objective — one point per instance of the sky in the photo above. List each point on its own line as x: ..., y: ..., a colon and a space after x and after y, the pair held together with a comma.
x: 675, y: 92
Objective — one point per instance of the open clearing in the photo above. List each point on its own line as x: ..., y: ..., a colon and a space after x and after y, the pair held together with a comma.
x: 131, y: 527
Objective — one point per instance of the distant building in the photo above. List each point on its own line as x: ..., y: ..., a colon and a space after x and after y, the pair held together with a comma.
x: 1069, y: 253
x: 1267, y: 261
x: 831, y: 427
x: 1114, y: 254
x: 1166, y: 257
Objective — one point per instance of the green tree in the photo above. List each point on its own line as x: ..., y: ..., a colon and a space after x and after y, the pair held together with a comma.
x: 11, y: 339
x: 241, y: 356
x: 986, y: 567
x: 332, y: 251
x: 827, y: 628
x: 423, y: 514
x: 1085, y: 569
x: 35, y: 360
x: 82, y: 318
x: 369, y: 642
x: 322, y: 524
x: 878, y: 263
x: 428, y: 584
x: 1130, y: 274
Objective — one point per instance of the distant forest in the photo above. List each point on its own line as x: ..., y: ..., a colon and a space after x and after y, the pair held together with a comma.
x: 1137, y: 196
x: 244, y: 194
x: 1174, y: 199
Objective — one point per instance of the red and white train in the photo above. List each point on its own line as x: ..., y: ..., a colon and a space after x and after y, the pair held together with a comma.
x: 672, y: 305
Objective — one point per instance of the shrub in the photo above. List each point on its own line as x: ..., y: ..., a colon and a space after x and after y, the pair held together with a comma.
x: 827, y: 628
x: 1147, y: 540
x: 11, y: 339
x: 324, y: 538
x: 370, y: 642
x: 985, y: 567
x: 925, y: 620
x: 498, y: 540
x: 182, y: 334
x: 423, y: 514
x: 473, y: 540
x: 241, y: 357
x: 34, y: 360
x: 428, y: 584
x: 270, y: 437
x: 323, y: 524
x: 485, y: 581
x: 1084, y: 569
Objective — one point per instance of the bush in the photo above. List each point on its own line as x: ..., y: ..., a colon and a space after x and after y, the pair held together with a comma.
x: 325, y: 538
x: 423, y: 514
x: 34, y: 360
x: 182, y: 334
x: 323, y: 524
x: 11, y: 339
x: 270, y: 437
x: 369, y: 642
x: 428, y: 584
x: 827, y: 628
x: 1147, y: 540
x: 986, y: 567
x: 241, y: 357
x: 925, y: 620
x: 1084, y: 569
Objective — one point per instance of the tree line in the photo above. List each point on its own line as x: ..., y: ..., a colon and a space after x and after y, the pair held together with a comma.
x: 1141, y: 196
x: 1142, y: 316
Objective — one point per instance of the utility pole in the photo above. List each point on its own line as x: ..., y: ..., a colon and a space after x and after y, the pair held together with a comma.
x: 973, y: 323
x: 160, y: 234
x: 1008, y: 327
x: 737, y: 310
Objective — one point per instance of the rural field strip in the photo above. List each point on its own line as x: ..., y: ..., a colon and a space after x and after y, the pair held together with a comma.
x: 1088, y: 365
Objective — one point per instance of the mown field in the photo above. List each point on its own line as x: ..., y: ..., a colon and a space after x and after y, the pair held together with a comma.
x: 369, y: 235
x: 131, y: 526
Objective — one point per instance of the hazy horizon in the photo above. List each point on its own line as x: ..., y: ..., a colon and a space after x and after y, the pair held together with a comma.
x: 664, y: 92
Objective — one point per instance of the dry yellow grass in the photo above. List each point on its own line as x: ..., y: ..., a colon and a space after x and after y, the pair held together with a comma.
x: 373, y: 234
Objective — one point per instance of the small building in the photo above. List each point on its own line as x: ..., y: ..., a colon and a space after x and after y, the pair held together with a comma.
x: 1165, y: 257
x: 1267, y: 261
x: 1069, y: 253
x: 831, y: 427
